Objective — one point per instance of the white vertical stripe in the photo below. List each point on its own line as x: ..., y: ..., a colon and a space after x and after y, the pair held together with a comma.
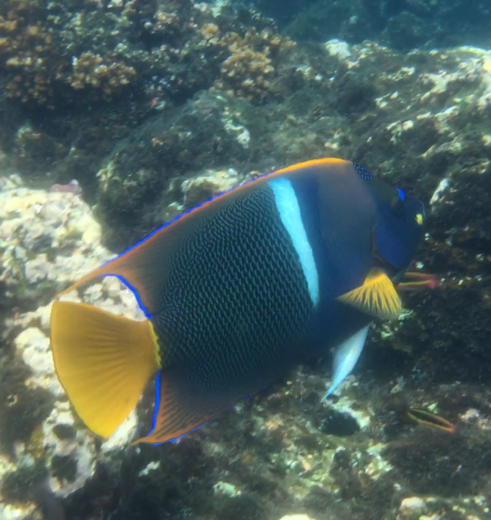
x: 291, y: 217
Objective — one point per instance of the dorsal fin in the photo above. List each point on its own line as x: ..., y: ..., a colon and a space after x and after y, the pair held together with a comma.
x: 144, y: 267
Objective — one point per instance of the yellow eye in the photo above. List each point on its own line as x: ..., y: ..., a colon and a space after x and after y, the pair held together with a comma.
x: 419, y: 219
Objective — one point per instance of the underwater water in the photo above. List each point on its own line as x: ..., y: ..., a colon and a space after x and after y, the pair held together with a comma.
x: 117, y: 116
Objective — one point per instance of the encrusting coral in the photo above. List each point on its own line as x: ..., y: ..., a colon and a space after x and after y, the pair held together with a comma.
x: 164, y: 49
x: 27, y: 51
x: 98, y: 72
x: 249, y: 69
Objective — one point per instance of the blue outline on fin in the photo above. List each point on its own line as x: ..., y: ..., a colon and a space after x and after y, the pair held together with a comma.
x: 156, y: 411
x: 401, y: 193
x: 177, y: 217
x: 132, y: 289
x: 157, y: 400
x: 187, y: 212
x: 175, y: 439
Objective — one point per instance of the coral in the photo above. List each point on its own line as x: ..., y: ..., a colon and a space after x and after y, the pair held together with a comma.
x: 250, y: 68
x: 39, y: 69
x: 39, y: 433
x: 33, y: 226
x: 98, y: 72
x: 138, y: 182
x: 27, y: 51
x: 46, y: 64
x: 163, y: 48
x: 23, y: 409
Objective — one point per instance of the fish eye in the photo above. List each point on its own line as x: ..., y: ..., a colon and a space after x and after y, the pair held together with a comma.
x: 397, y: 206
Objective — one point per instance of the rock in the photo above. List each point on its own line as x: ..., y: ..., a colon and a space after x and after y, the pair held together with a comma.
x: 36, y: 221
x: 411, y: 507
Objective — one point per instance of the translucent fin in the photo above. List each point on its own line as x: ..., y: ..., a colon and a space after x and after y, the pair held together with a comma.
x: 345, y: 357
x: 377, y: 296
x: 103, y: 361
x: 179, y: 409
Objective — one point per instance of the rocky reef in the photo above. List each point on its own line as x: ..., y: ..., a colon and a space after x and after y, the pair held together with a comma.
x: 401, y: 24
x: 154, y: 107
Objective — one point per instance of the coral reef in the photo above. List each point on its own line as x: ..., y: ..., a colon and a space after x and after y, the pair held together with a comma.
x: 32, y: 53
x: 157, y: 106
x: 92, y: 69
x: 166, y: 49
x: 107, y: 68
x: 46, y: 241
x: 140, y: 178
x: 248, y: 71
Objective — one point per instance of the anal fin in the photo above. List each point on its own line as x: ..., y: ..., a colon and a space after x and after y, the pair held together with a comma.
x: 376, y: 297
x: 180, y: 409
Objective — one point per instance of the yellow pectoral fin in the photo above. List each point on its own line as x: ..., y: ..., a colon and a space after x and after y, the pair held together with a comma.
x: 103, y: 361
x: 377, y: 296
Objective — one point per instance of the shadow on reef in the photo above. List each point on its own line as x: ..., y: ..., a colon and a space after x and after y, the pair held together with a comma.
x: 401, y: 24
x: 22, y: 409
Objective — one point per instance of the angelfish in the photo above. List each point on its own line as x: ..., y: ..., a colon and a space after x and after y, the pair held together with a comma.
x: 238, y: 291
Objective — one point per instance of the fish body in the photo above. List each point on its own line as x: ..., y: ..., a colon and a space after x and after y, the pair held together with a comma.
x: 414, y: 281
x: 237, y: 292
x: 254, y: 287
x: 430, y: 419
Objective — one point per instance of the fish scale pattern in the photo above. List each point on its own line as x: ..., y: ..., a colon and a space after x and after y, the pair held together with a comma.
x: 364, y: 173
x: 236, y: 301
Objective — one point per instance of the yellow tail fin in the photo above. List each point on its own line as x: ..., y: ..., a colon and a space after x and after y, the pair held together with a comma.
x: 103, y: 361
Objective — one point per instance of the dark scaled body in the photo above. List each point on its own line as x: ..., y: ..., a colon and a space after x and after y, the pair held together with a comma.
x: 236, y: 306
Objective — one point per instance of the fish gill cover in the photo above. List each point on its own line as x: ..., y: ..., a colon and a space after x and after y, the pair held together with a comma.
x: 154, y: 107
